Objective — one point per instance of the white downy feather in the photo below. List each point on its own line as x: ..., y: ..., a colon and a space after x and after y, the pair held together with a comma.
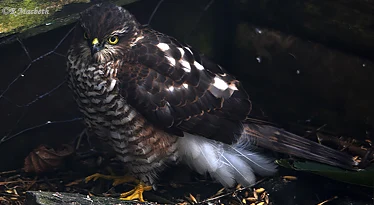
x: 225, y: 163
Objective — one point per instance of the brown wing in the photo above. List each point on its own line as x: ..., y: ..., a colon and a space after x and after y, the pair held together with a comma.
x: 179, y: 90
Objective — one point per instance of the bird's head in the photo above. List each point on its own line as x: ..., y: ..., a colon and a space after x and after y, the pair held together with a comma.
x: 106, y: 32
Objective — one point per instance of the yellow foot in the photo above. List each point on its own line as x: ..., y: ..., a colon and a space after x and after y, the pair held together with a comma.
x: 116, y: 179
x: 136, y: 193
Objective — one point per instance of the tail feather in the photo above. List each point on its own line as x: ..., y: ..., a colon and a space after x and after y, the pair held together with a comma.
x: 278, y: 140
x: 226, y: 163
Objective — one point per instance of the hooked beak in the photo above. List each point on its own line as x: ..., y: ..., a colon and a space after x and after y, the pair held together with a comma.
x: 95, y: 46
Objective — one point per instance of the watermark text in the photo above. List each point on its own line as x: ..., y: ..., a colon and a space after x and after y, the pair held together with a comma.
x: 24, y: 11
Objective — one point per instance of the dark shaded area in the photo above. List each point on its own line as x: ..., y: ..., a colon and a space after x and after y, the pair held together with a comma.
x: 175, y: 186
x: 301, y: 72
x: 343, y: 24
x: 305, y: 83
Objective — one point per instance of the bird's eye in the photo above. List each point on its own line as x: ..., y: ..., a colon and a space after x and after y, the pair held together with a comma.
x: 113, y: 40
x: 85, y: 35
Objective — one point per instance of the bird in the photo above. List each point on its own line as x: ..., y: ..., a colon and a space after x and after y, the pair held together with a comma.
x: 157, y: 101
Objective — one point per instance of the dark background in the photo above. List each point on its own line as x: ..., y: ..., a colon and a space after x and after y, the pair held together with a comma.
x: 304, y: 64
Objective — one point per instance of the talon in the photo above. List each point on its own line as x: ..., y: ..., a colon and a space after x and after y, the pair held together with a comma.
x: 136, y: 193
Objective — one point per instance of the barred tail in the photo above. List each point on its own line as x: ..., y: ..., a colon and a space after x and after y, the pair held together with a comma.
x: 278, y: 140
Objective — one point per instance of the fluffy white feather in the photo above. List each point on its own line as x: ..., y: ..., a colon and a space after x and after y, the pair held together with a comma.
x: 225, y: 163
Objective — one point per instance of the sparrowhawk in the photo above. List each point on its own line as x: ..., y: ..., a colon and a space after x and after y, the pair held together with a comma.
x: 156, y: 100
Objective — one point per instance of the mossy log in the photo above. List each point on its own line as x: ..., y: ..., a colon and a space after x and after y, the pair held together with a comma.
x: 28, y: 18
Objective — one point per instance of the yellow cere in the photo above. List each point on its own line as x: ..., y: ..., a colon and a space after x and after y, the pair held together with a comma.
x: 95, y: 41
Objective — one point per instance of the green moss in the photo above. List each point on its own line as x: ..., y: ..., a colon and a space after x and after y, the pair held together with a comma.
x: 31, y: 24
x: 14, y: 17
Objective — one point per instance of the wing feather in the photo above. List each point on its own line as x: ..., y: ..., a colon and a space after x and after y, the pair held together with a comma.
x: 178, y: 89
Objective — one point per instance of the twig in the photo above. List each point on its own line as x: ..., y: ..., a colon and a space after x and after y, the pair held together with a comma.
x: 28, y: 181
x: 356, y: 150
x: 234, y: 192
x: 10, y: 172
x: 154, y: 12
x: 199, y: 18
x: 328, y: 200
x: 32, y: 184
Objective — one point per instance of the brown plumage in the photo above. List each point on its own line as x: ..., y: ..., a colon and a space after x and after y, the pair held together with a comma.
x: 156, y: 100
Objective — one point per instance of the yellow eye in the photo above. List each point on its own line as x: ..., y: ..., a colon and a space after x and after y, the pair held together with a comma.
x: 85, y: 35
x: 113, y: 40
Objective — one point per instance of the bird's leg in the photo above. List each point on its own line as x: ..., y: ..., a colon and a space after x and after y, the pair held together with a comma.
x: 117, y: 180
x: 136, y: 193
